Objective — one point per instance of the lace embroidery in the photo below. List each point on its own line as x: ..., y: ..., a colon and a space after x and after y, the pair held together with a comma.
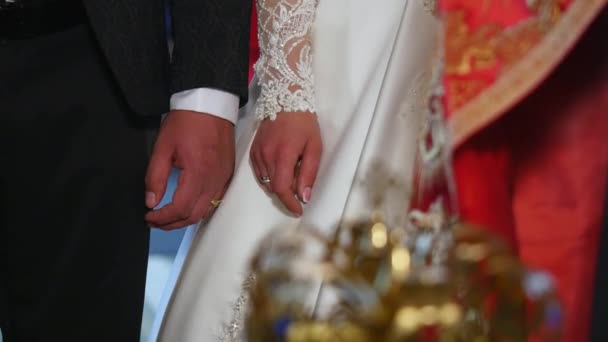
x: 284, y: 69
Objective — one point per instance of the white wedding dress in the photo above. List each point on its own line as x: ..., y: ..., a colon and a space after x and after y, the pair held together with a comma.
x: 367, y: 77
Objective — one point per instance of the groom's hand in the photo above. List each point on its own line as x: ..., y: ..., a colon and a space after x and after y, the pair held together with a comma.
x: 202, y: 147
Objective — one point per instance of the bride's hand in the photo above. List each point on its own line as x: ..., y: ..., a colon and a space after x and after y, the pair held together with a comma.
x: 285, y: 156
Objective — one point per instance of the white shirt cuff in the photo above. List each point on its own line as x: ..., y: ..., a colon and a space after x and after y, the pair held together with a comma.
x: 207, y: 100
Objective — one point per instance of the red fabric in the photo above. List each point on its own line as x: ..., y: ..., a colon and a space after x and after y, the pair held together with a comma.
x: 559, y: 184
x: 545, y: 193
x: 254, y: 50
x: 481, y: 24
x: 504, y: 13
x: 476, y: 46
x: 483, y: 171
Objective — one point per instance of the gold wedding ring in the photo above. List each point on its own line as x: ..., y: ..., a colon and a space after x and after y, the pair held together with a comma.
x: 216, y: 203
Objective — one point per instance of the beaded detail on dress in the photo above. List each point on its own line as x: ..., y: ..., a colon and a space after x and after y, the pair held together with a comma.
x: 430, y: 6
x: 233, y: 331
x: 284, y: 69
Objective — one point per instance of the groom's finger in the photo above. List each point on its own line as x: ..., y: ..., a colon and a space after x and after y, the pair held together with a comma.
x: 184, y: 200
x: 198, y: 211
x: 157, y: 174
x: 210, y: 208
x: 203, y: 209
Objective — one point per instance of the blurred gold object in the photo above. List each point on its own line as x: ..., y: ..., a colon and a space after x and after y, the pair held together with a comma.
x: 432, y: 282
x: 301, y: 295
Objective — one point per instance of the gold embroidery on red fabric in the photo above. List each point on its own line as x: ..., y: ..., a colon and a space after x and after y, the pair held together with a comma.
x: 491, y: 46
x: 460, y: 91
x: 560, y: 35
x: 466, y: 51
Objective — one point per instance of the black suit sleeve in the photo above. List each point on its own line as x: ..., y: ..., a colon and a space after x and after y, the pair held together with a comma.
x: 211, y: 45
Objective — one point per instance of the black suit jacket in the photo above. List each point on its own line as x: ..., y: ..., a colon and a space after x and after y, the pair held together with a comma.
x: 211, y: 47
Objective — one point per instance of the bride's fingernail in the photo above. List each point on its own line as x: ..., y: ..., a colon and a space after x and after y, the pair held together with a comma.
x: 306, y: 195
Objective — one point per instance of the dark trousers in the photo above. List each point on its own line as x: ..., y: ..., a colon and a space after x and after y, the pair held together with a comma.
x: 73, y: 242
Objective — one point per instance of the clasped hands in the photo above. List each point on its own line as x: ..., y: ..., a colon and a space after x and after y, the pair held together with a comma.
x: 286, y: 150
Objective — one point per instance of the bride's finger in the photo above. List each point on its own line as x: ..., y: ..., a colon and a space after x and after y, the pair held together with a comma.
x: 294, y: 182
x: 283, y: 180
x: 267, y: 166
x: 254, y: 161
x: 259, y: 167
x: 307, y: 172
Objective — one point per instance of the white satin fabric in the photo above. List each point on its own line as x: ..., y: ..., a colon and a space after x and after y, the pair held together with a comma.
x: 371, y: 66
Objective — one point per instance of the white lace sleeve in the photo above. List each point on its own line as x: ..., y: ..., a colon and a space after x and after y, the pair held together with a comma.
x: 284, y: 69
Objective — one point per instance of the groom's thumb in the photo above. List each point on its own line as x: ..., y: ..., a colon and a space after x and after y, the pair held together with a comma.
x: 158, y: 175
